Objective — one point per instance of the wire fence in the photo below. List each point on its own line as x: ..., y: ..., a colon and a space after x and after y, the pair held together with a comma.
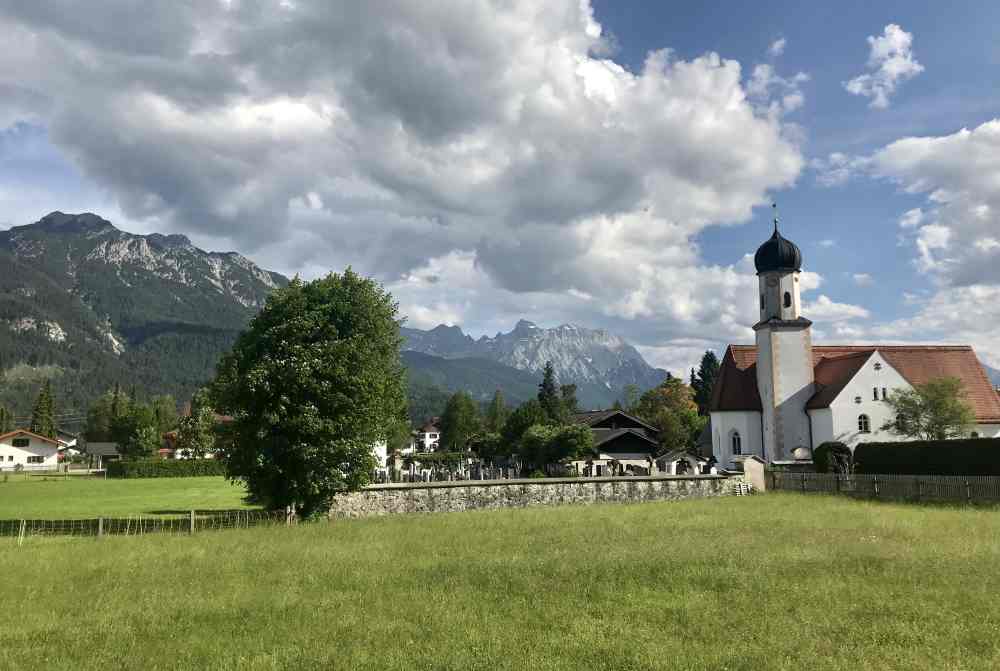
x: 136, y: 525
x: 943, y: 488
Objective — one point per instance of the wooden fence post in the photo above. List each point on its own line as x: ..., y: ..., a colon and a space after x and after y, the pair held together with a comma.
x: 803, y: 478
x: 191, y: 530
x: 21, y: 532
x: 100, y: 527
x: 837, y: 476
x: 875, y: 485
x: 968, y: 491
x: 918, y: 490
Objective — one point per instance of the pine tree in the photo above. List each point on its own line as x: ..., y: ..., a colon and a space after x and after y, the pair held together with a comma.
x: 704, y: 382
x: 6, y: 420
x: 43, y: 416
x: 459, y: 423
x: 549, y: 398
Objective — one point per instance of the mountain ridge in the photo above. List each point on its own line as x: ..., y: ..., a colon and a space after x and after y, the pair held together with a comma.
x: 601, y: 364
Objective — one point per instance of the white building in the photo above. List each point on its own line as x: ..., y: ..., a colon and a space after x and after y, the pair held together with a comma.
x: 27, y: 449
x: 426, y: 438
x: 783, y: 397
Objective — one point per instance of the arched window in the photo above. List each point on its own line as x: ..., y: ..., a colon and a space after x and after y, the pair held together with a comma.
x: 864, y: 424
x: 737, y: 443
x: 788, y: 299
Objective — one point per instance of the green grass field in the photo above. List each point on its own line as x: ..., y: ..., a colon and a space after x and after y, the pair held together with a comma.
x: 780, y: 581
x: 80, y: 496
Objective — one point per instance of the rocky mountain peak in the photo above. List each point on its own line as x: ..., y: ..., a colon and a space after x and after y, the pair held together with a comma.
x: 60, y: 222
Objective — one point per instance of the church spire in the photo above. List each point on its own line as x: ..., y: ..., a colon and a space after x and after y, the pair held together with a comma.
x: 774, y: 208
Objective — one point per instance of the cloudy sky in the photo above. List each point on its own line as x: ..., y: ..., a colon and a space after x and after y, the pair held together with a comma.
x: 610, y: 163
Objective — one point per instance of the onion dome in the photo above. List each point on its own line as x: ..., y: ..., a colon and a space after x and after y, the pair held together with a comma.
x: 778, y: 254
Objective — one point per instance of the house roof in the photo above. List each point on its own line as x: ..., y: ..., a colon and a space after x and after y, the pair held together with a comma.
x: 604, y: 436
x: 836, y: 365
x: 25, y: 432
x: 597, y: 416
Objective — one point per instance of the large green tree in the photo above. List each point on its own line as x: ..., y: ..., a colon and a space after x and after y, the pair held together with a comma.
x: 936, y: 410
x: 43, y: 415
x: 703, y: 382
x: 196, y: 433
x: 459, y: 423
x: 102, y: 413
x: 524, y: 417
x: 671, y: 408
x: 496, y: 413
x: 312, y: 385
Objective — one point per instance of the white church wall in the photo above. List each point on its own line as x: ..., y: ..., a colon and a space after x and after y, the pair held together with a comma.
x: 822, y: 426
x: 876, y: 374
x: 725, y: 424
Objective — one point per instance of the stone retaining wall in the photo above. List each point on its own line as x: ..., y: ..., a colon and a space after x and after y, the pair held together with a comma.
x: 492, y: 494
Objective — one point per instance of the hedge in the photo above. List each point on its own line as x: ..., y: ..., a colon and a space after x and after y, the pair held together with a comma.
x: 972, y: 456
x: 165, y: 468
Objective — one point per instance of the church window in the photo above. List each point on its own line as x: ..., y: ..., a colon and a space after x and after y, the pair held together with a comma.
x: 857, y: 399
x: 885, y: 394
x: 875, y: 393
x: 788, y: 300
x: 737, y: 443
x: 864, y: 424
x: 878, y: 366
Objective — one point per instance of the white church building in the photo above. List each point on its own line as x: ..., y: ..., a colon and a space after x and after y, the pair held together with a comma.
x: 784, y: 396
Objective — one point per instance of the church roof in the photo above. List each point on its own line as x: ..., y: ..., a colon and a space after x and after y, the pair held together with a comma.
x: 836, y: 365
x: 778, y: 254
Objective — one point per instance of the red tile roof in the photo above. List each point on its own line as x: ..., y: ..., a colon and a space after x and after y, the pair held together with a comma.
x: 835, y: 365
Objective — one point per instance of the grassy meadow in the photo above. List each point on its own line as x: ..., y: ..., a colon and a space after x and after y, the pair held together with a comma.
x: 79, y: 496
x: 780, y: 581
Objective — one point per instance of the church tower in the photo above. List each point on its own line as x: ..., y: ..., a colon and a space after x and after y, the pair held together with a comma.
x: 784, y: 351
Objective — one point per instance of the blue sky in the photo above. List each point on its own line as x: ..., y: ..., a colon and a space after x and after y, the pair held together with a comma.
x: 496, y: 161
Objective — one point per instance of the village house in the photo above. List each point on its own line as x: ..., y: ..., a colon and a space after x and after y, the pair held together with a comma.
x: 625, y: 445
x: 28, y: 450
x: 426, y: 438
x: 782, y: 397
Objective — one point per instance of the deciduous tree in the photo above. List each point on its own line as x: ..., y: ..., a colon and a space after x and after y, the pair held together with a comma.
x: 936, y: 410
x: 496, y: 413
x: 671, y: 408
x: 312, y: 384
x: 459, y: 423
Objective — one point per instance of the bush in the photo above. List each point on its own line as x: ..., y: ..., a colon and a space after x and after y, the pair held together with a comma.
x: 833, y: 457
x: 165, y: 468
x: 974, y: 456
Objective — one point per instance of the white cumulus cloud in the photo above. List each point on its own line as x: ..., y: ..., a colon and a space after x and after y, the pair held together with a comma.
x: 890, y: 63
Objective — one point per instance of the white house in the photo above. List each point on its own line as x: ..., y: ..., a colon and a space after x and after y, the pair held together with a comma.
x: 24, y: 448
x: 426, y: 438
x: 783, y: 397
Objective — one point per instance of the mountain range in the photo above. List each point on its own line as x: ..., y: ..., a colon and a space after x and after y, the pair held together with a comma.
x: 90, y: 307
x: 93, y: 306
x: 600, y: 364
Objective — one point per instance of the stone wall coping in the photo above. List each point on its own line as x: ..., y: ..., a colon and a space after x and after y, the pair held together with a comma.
x: 534, y: 481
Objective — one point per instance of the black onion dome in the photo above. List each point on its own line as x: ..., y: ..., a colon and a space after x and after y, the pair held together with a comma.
x: 778, y: 254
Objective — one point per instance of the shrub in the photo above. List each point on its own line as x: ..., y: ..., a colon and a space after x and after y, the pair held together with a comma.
x: 165, y: 468
x: 833, y: 457
x: 974, y: 456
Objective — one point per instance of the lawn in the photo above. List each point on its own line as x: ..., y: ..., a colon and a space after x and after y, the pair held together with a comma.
x: 80, y: 496
x: 780, y: 581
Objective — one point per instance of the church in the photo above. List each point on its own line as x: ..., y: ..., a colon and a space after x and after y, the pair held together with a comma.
x: 783, y: 396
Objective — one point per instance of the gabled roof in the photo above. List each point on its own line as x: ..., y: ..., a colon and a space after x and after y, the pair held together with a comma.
x: 836, y: 365
x: 597, y: 416
x: 25, y: 432
x: 605, y: 436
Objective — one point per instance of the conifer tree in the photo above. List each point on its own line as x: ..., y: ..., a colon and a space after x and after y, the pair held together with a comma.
x: 6, y: 420
x: 549, y: 397
x: 704, y: 382
x: 43, y: 416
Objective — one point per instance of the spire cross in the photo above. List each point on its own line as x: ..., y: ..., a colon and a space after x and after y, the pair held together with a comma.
x: 774, y: 207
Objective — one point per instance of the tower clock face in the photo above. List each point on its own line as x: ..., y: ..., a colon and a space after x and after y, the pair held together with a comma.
x: 772, y: 282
